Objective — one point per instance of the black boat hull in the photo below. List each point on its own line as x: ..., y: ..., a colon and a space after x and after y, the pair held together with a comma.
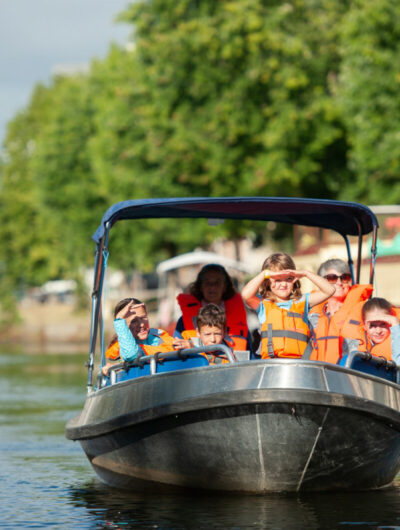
x: 257, y: 427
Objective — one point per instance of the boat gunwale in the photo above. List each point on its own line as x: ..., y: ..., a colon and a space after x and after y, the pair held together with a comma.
x: 316, y: 398
x: 262, y: 362
x: 197, y: 402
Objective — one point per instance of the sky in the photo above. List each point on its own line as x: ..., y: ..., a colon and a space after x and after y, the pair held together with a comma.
x: 39, y: 37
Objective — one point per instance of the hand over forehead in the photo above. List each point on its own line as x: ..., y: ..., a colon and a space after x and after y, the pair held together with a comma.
x: 136, y: 306
x: 138, y: 310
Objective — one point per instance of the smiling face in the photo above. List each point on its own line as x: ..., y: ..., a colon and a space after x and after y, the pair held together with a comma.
x: 342, y: 283
x: 376, y: 325
x: 210, y: 335
x: 282, y: 288
x: 213, y: 286
x: 139, y: 322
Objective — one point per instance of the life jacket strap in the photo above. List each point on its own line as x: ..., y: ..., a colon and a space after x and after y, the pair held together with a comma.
x: 327, y: 337
x: 270, y: 346
x: 293, y: 314
x: 284, y: 333
x: 308, y: 350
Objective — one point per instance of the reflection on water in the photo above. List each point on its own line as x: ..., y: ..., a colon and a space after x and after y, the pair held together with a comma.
x: 47, y: 481
x: 133, y: 510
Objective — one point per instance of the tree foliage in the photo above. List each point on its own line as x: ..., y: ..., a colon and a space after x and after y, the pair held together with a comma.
x: 368, y: 92
x: 235, y: 97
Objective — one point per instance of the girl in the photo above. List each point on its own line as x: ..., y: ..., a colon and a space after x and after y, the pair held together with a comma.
x: 134, y: 336
x: 281, y: 308
x: 379, y: 333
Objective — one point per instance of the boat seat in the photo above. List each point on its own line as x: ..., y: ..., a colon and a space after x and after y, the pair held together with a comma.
x: 134, y: 370
x: 370, y: 364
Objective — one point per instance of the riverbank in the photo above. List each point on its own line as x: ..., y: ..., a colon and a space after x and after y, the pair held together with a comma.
x: 53, y: 327
x: 49, y: 327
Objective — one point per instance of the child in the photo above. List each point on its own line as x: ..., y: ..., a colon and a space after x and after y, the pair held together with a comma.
x: 134, y: 335
x: 281, y: 308
x: 210, y: 330
x: 379, y: 333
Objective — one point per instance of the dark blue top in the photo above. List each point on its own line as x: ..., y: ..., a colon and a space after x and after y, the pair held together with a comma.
x: 346, y: 218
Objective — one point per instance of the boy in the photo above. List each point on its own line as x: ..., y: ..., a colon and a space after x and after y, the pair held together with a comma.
x: 210, y: 330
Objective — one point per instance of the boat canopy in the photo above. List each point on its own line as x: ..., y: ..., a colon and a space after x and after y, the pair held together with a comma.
x: 346, y: 218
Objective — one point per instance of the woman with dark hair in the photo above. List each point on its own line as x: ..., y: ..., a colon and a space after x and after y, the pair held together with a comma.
x: 328, y: 318
x: 214, y: 285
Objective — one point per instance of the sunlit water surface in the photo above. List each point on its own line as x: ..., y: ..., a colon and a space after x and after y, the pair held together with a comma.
x: 47, y: 482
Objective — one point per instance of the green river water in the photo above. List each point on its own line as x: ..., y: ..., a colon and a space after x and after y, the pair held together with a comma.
x: 47, y: 482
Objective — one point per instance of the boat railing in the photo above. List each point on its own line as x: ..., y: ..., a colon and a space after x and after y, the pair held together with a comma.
x: 220, y: 350
x: 377, y: 363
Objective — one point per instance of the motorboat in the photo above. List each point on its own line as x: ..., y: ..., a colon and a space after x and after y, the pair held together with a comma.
x: 172, y: 420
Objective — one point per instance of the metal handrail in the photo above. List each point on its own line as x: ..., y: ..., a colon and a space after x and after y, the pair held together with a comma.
x: 219, y: 349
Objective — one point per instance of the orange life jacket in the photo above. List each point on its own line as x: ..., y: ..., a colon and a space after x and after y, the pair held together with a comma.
x: 327, y: 333
x: 284, y: 332
x: 236, y: 319
x: 112, y: 353
x: 353, y: 329
x: 189, y: 334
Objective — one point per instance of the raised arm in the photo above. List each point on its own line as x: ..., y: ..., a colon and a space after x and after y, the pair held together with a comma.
x: 250, y: 290
x: 325, y: 288
x: 128, y: 346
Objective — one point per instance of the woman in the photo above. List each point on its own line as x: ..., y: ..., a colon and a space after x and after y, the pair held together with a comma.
x: 214, y: 285
x: 328, y: 317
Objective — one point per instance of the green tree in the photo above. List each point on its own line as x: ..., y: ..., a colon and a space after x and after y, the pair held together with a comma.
x: 24, y: 236
x: 238, y: 96
x: 368, y: 93
x: 235, y: 97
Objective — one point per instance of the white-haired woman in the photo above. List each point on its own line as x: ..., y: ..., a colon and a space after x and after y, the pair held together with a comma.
x: 328, y: 318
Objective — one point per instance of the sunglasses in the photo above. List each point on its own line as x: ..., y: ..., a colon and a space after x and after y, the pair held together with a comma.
x: 333, y: 278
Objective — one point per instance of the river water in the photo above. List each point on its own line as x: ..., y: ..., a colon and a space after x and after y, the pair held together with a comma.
x: 47, y: 482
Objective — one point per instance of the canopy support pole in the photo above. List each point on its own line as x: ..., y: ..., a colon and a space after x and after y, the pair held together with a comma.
x: 349, y: 257
x: 359, y: 257
x: 99, y: 270
x: 373, y: 254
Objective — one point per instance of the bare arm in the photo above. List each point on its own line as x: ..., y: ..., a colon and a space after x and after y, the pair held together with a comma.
x: 250, y: 290
x: 325, y: 288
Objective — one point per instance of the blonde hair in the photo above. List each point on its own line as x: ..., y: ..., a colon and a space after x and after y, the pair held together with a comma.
x: 279, y: 262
